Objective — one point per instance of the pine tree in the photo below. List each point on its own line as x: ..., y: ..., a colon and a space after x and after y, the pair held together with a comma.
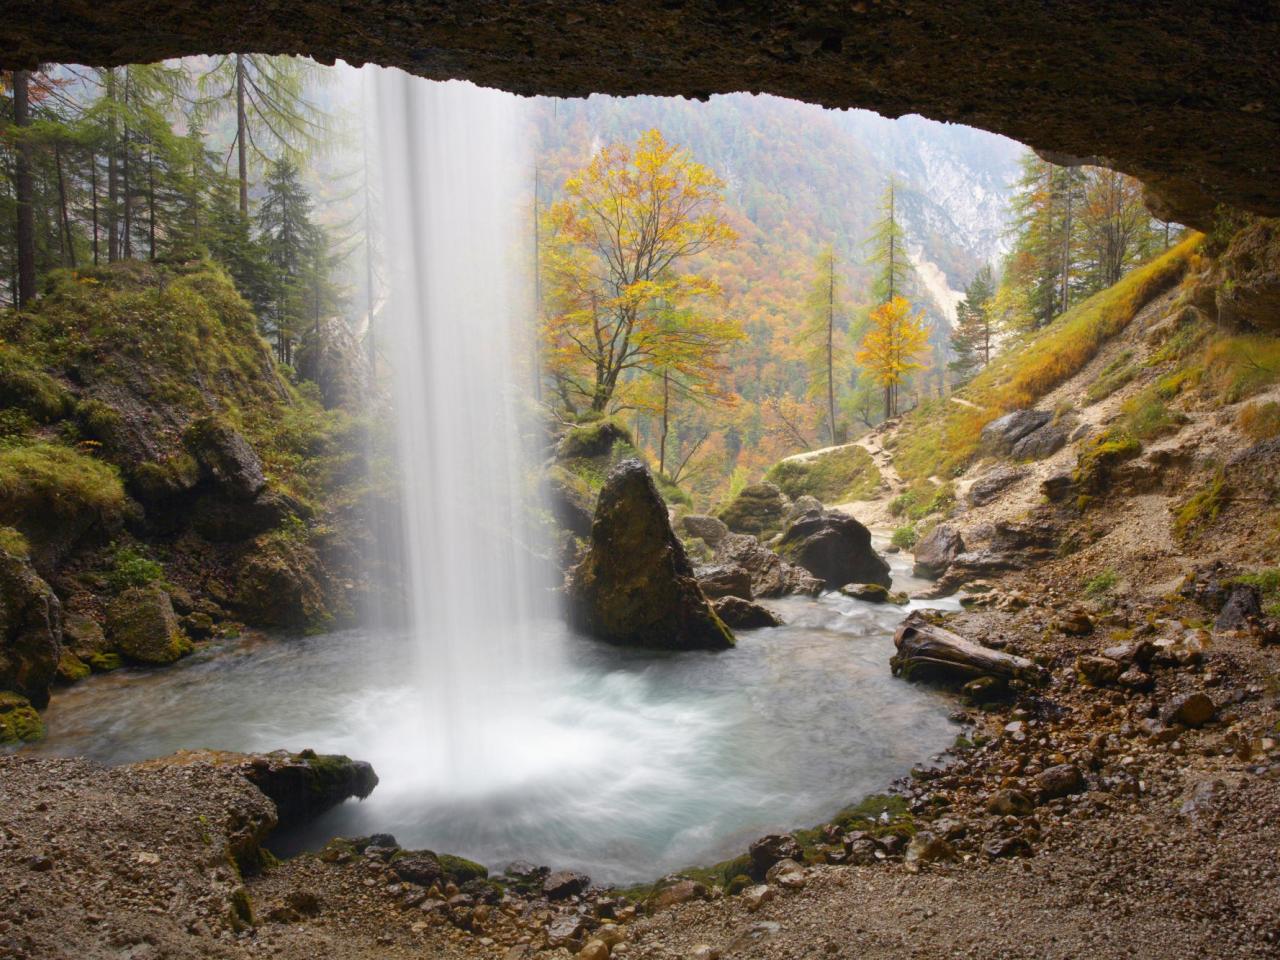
x: 889, y: 250
x: 826, y: 321
x: 273, y: 115
x: 973, y: 337
x: 289, y: 240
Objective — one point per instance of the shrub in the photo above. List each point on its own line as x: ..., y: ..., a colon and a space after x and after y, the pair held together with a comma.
x: 129, y: 568
x: 905, y: 537
x: 1260, y: 421
x: 1102, y: 583
x: 12, y: 541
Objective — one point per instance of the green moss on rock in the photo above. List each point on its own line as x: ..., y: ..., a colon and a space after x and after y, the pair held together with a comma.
x: 461, y: 870
x: 142, y: 626
x: 759, y: 509
x: 19, y: 721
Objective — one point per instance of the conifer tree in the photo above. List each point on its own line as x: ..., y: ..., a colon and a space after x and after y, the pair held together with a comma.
x: 826, y: 321
x: 973, y: 337
x: 889, y: 250
x: 892, y: 347
x: 289, y: 240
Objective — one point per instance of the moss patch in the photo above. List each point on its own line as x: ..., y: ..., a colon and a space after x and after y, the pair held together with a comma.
x: 19, y: 721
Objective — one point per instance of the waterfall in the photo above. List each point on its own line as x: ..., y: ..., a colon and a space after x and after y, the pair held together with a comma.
x: 455, y: 178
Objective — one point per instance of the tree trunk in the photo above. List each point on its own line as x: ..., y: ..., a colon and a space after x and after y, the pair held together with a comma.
x: 242, y: 123
x: 831, y: 320
x: 125, y: 187
x: 23, y: 192
x: 926, y: 651
x: 151, y: 202
x: 113, y: 174
x: 62, y: 204
x: 666, y: 408
x: 888, y: 401
x: 93, y: 191
x: 1066, y: 249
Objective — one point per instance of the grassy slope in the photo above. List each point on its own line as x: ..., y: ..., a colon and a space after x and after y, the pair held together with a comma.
x: 940, y: 438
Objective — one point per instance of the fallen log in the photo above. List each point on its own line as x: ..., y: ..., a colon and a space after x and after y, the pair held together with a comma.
x: 927, y: 651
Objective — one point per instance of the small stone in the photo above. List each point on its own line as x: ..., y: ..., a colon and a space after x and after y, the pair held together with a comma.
x: 756, y: 897
x: 786, y: 873
x: 1060, y: 781
x: 769, y: 849
x: 703, y: 951
x: 1010, y: 803
x: 1191, y: 710
x: 925, y: 847
x: 1098, y: 671
x: 593, y: 950
x: 564, y: 884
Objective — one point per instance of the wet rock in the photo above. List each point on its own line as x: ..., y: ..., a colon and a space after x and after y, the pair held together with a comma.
x: 771, y: 575
x: 221, y: 520
x: 1000, y: 435
x: 708, y: 529
x: 590, y: 440
x: 936, y: 551
x: 526, y: 872
x: 283, y: 583
x: 30, y: 630
x: 1098, y: 671
x: 1010, y: 802
x: 142, y: 626
x: 564, y: 884
x: 866, y: 592
x: 1242, y: 604
x: 760, y: 510
x: 226, y: 457
x: 724, y: 580
x: 835, y: 548
x: 772, y: 849
x: 1060, y: 781
x: 636, y: 586
x: 744, y: 614
x: 1041, y: 443
x: 1190, y: 709
x: 993, y: 483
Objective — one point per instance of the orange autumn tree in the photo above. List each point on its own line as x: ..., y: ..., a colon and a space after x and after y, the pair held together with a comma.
x: 627, y: 322
x: 895, y: 340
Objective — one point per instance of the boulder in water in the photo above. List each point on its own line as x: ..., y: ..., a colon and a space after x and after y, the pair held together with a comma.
x: 935, y: 552
x: 835, y: 548
x: 745, y: 615
x: 143, y: 626
x: 771, y: 576
x: 636, y: 586
x: 724, y: 580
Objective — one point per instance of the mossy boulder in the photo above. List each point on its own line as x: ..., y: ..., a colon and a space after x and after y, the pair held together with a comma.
x: 71, y: 668
x: 759, y: 510
x: 636, y: 585
x: 143, y: 627
x: 591, y: 440
x: 835, y: 475
x: 283, y: 583
x: 226, y: 457
x: 30, y: 629
x: 570, y: 498
x: 19, y: 721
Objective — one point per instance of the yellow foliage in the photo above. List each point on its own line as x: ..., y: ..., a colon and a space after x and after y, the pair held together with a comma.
x: 893, y: 345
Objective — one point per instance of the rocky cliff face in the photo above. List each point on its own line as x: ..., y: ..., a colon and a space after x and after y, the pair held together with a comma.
x: 160, y: 480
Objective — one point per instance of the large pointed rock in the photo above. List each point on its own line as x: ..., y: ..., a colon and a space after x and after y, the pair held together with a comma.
x: 636, y: 586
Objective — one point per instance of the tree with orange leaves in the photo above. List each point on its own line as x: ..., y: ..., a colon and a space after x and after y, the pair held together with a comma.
x: 622, y: 306
x: 895, y: 340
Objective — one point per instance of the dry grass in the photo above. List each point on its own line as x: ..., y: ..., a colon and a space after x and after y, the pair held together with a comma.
x: 941, y: 438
